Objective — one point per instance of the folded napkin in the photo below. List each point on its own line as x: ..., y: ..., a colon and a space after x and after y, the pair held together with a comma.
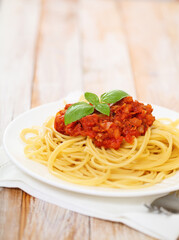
x: 130, y: 211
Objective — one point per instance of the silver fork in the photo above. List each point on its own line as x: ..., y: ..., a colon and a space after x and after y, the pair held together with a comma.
x: 168, y: 204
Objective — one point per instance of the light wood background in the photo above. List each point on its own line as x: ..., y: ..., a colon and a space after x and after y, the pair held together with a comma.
x: 51, y: 47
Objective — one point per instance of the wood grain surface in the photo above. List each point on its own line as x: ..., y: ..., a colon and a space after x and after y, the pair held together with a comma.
x: 49, y: 48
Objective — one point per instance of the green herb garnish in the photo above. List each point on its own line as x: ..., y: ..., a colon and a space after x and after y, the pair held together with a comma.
x: 92, y: 98
x: 113, y: 96
x: 82, y: 109
x: 103, y: 108
x: 98, y: 105
x: 77, y: 111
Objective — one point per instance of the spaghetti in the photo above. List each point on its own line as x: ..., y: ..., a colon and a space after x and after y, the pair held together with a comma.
x: 148, y: 160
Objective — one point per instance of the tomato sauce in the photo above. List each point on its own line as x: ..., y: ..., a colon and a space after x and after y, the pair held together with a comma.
x: 128, y: 119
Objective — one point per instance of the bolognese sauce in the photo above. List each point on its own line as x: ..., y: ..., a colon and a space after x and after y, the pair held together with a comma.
x: 127, y: 119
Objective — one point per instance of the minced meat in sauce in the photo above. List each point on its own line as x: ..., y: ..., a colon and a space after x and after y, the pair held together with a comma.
x: 128, y: 119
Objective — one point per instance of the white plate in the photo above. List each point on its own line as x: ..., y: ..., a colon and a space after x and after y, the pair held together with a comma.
x: 14, y: 148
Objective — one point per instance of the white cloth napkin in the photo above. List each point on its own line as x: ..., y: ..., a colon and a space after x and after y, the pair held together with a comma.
x: 130, y: 211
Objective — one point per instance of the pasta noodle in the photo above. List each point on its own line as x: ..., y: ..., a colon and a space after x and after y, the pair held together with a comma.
x: 150, y: 159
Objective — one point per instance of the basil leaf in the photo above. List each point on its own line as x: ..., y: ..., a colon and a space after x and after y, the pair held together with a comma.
x: 77, y: 111
x: 91, y: 98
x: 103, y: 108
x: 113, y: 96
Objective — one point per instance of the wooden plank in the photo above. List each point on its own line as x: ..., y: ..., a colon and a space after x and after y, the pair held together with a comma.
x: 10, y: 208
x: 153, y: 61
x: 169, y: 12
x: 58, y: 66
x: 47, y: 221
x: 106, y: 62
x: 17, y: 57
x: 114, y: 231
x: 58, y: 71
x: 18, y: 35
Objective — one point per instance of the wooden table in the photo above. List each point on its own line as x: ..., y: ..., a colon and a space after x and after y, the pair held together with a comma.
x: 52, y: 47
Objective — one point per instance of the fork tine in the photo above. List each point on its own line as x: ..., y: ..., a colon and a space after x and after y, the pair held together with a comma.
x: 169, y: 203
